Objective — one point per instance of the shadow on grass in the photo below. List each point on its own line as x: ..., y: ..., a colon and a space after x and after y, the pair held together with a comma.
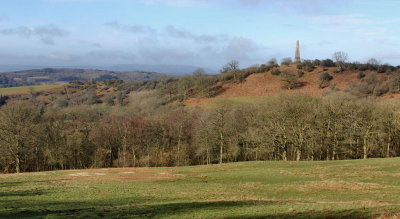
x: 353, y: 213
x: 200, y: 209
x: 22, y: 193
x: 43, y: 213
x: 216, y: 209
x: 10, y: 189
x: 10, y: 184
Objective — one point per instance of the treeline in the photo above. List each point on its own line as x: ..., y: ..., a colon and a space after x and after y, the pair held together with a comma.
x: 149, y: 132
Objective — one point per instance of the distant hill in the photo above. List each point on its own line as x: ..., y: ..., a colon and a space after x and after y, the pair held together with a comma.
x: 164, y: 69
x: 65, y: 75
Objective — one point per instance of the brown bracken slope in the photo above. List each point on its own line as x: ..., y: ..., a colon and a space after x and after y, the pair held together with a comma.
x: 266, y: 84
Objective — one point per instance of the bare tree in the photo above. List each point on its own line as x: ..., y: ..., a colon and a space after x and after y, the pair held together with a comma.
x: 373, y: 61
x: 340, y: 59
x: 18, y: 127
x: 230, y: 66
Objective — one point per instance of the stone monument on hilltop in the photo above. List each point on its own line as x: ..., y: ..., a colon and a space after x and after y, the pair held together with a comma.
x: 297, y: 55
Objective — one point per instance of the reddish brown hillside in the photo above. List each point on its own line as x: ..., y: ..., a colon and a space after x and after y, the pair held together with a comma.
x: 263, y: 84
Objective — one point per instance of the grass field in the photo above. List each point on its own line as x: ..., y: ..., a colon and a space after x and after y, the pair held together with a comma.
x: 25, y: 89
x: 335, y: 189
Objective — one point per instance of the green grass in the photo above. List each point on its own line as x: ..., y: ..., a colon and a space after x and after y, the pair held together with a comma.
x: 24, y: 89
x: 335, y: 189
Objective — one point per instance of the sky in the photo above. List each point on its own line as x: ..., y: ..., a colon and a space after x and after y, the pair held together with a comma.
x: 204, y: 33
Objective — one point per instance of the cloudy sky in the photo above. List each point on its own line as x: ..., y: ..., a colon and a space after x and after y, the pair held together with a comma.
x: 205, y: 33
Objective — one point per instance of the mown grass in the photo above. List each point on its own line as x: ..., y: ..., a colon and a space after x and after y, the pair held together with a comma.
x: 335, y: 189
x: 25, y: 89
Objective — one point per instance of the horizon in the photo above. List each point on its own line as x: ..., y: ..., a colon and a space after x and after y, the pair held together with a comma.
x: 200, y: 33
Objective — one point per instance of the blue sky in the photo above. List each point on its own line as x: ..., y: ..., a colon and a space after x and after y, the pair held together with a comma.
x: 204, y: 33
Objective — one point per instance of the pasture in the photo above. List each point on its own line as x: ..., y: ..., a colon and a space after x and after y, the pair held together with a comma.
x: 324, y: 189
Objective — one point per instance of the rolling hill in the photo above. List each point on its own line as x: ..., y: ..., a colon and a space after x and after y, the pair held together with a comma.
x: 65, y: 75
x: 266, y: 84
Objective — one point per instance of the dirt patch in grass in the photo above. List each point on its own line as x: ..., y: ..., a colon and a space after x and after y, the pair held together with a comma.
x: 389, y: 216
x: 123, y: 174
x: 333, y: 185
x: 250, y: 184
x: 347, y: 171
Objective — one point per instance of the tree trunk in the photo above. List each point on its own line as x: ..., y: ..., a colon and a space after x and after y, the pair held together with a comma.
x: 17, y: 164
x: 312, y: 150
x: 284, y: 155
x: 208, y: 152
x: 335, y: 144
x: 327, y: 153
x: 365, y: 147
x: 221, y: 147
x: 298, y: 154
x: 134, y: 157
x: 179, y: 143
x: 124, y: 150
x: 388, y: 145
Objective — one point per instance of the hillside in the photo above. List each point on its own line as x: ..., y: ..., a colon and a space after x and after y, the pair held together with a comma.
x: 333, y: 189
x: 65, y: 75
x: 248, y: 121
x: 267, y: 84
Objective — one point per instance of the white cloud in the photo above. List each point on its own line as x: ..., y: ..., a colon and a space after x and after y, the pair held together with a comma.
x: 185, y: 34
x: 340, y: 20
x: 178, y: 3
x: 133, y: 28
x: 45, y: 33
x: 359, y: 24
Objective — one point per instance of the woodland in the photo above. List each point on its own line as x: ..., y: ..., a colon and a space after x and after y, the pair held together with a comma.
x: 146, y: 124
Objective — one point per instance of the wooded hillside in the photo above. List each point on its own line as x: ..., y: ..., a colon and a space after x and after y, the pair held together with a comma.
x: 117, y: 124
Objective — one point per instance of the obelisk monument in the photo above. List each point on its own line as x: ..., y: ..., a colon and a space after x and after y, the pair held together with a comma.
x: 297, y: 55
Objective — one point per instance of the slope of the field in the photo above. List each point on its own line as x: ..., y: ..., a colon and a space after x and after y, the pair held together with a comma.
x: 266, y: 84
x: 325, y: 189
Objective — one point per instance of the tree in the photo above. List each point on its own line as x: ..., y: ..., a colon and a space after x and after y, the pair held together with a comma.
x: 340, y: 59
x: 286, y: 61
x: 18, y: 132
x: 185, y: 84
x: 218, y: 118
x: 372, y: 64
x: 230, y: 66
x: 327, y: 63
x: 120, y: 98
x: 109, y: 99
x: 324, y: 77
x: 373, y: 61
x: 272, y: 63
x: 202, y: 83
x: 289, y: 79
x: 199, y: 72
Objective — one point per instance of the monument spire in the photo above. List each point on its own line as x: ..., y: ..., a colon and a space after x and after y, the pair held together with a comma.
x: 297, y: 55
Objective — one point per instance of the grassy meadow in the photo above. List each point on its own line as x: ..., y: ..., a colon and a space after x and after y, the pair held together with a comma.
x: 335, y: 189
